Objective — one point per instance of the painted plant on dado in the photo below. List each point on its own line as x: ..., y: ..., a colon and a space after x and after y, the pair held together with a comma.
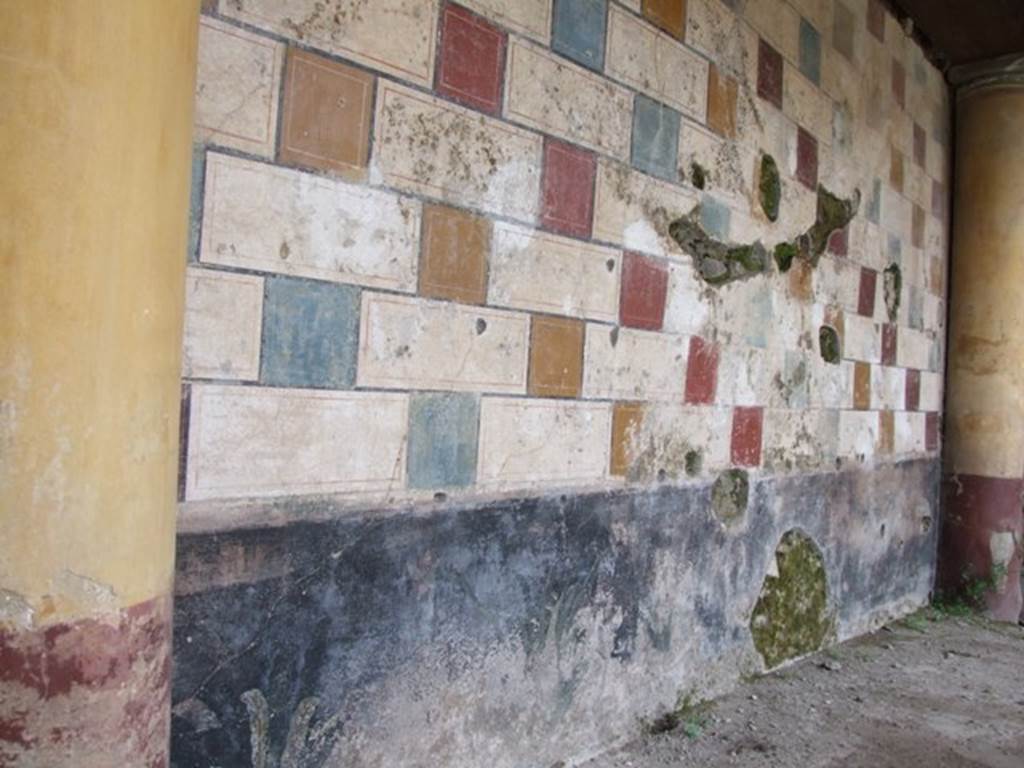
x: 546, y: 360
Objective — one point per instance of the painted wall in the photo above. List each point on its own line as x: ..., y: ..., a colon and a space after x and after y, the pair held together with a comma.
x: 433, y: 278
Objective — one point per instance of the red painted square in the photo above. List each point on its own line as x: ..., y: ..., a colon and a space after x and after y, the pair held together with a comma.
x: 644, y: 288
x: 769, y: 74
x: 931, y: 431
x: 889, y: 344
x: 806, y: 159
x: 839, y: 242
x: 701, y: 372
x: 568, y: 189
x: 866, y: 296
x: 747, y: 425
x: 471, y: 60
x: 899, y: 83
x: 920, y: 145
x: 876, y: 19
x: 912, y: 397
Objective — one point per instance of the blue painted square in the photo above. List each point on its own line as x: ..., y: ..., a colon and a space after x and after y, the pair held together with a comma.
x: 655, y: 139
x: 915, y: 308
x: 757, y: 313
x: 894, y: 248
x: 797, y: 385
x: 578, y: 31
x: 714, y: 217
x: 310, y: 333
x: 442, y: 439
x: 810, y: 52
x: 934, y: 358
x: 195, y: 200
x: 875, y: 203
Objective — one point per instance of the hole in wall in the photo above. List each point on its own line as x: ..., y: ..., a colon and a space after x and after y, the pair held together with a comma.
x: 828, y: 344
x: 791, y: 617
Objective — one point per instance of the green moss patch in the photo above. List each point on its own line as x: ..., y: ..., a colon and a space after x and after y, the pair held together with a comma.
x: 784, y: 254
x: 716, y: 262
x: 791, y: 617
x: 769, y: 187
x: 833, y: 214
x: 892, y: 282
x: 719, y: 263
x: 828, y: 344
x: 729, y: 495
x: 694, y: 462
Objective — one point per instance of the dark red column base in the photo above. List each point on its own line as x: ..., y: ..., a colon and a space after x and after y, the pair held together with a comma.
x: 89, y: 693
x: 975, y: 508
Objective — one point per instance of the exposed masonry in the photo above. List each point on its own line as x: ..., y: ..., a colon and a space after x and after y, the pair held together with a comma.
x: 380, y: 193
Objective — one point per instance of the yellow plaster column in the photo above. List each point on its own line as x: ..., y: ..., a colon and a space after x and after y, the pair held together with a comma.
x: 984, y: 461
x: 95, y: 135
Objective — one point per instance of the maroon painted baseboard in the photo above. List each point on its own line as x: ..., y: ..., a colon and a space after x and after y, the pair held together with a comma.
x: 92, y: 692
x: 975, y: 507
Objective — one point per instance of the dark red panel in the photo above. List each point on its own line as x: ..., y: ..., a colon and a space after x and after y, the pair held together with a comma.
x: 701, y: 372
x: 568, y: 189
x: 644, y: 288
x: 471, y: 60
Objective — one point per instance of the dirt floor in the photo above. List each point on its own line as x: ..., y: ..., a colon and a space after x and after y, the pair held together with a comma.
x: 930, y: 691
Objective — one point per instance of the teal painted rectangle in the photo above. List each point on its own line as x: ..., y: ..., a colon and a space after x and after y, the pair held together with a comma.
x: 310, y: 333
x: 442, y: 439
x: 655, y: 139
x: 810, y: 52
x: 578, y: 31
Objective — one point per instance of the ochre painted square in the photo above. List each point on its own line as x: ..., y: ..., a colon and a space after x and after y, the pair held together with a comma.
x: 643, y: 292
x: 568, y: 189
x: 835, y: 318
x: 899, y: 83
x: 670, y: 15
x: 936, y: 276
x: 626, y: 421
x: 326, y: 116
x: 745, y: 443
x: 842, y: 30
x: 889, y: 344
x: 886, y: 432
x: 806, y: 159
x: 876, y: 19
x: 866, y: 295
x: 896, y: 169
x: 722, y: 92
x: 769, y: 74
x: 453, y: 264
x: 556, y: 357
x: 862, y: 386
x: 701, y: 372
x: 912, y: 390
x: 801, y: 280
x: 471, y: 60
x: 917, y: 226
